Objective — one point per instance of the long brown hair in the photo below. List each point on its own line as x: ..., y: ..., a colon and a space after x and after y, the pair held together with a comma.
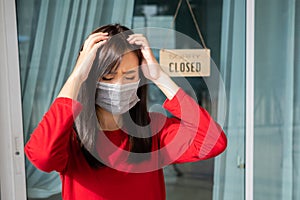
x: 107, y: 59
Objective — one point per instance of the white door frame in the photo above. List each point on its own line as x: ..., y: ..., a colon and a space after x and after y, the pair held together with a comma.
x: 12, y: 167
x: 249, y: 139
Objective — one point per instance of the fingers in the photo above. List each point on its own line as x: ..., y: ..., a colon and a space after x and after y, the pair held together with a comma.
x: 93, y: 39
x: 96, y: 47
x: 138, y: 39
x: 91, y: 44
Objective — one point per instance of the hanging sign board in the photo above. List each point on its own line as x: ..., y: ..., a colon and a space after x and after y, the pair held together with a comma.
x: 185, y: 62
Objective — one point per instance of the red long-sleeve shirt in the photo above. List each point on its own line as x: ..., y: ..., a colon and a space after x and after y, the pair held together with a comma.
x: 189, y: 136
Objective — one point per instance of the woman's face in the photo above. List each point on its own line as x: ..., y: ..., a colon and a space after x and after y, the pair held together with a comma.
x: 127, y: 72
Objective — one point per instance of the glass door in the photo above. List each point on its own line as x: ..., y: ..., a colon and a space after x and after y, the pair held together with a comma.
x: 50, y: 33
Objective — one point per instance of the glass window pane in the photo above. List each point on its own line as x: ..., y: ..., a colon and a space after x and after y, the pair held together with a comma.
x: 50, y: 34
x: 222, y: 24
x: 276, y: 155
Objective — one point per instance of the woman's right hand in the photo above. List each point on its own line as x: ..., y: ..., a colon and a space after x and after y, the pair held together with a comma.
x: 87, y: 55
x: 83, y: 65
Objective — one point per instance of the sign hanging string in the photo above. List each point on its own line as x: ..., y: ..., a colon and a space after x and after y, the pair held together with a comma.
x: 194, y: 20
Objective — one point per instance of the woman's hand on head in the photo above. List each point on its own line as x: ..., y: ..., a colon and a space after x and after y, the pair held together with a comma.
x: 83, y: 65
x: 87, y: 55
x: 150, y: 66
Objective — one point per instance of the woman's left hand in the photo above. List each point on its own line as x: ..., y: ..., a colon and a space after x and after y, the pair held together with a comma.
x: 150, y: 66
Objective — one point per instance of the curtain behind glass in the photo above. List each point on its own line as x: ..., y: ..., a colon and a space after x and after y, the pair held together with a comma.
x: 277, y: 106
x: 229, y: 167
x: 50, y: 34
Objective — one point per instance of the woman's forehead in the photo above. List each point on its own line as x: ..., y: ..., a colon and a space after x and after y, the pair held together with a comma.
x: 129, y: 62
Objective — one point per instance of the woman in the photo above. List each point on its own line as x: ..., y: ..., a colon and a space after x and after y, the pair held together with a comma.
x: 98, y: 134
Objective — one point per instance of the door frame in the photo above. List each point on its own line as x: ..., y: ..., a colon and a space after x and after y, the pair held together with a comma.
x: 12, y: 168
x: 249, y: 123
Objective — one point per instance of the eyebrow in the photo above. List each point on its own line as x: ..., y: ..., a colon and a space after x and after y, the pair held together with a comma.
x: 130, y: 71
x: 113, y: 73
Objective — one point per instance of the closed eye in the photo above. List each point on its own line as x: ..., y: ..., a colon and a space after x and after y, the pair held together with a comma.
x: 107, y: 78
x: 130, y: 78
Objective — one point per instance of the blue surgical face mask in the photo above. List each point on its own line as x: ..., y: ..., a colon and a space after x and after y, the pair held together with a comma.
x: 117, y: 98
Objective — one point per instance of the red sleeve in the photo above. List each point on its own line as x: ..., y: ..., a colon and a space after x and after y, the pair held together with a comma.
x: 48, y: 146
x: 192, y: 134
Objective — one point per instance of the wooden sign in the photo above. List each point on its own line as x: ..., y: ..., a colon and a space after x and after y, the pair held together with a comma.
x: 185, y: 62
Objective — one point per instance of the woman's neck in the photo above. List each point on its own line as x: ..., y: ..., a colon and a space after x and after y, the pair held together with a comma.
x: 108, y: 121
